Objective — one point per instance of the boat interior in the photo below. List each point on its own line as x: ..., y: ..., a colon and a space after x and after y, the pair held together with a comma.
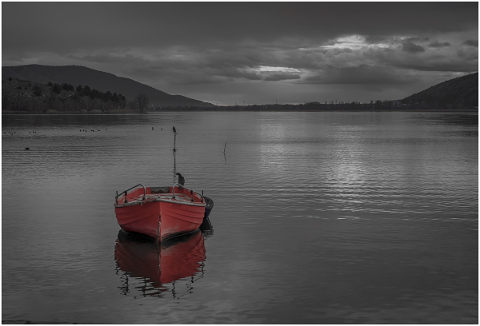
x: 140, y: 194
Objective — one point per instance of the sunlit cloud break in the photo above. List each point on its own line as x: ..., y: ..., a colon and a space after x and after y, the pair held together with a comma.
x: 270, y: 73
x: 267, y: 69
x: 353, y: 42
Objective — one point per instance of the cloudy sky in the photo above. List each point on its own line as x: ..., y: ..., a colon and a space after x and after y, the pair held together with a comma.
x: 253, y: 53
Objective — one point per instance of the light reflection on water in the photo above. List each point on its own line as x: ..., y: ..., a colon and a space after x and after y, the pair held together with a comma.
x: 318, y: 217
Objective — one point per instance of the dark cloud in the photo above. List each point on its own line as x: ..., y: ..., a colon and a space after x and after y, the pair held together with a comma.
x: 416, y: 39
x: 104, y: 58
x: 438, y: 67
x: 375, y: 39
x: 468, y: 56
x: 245, y: 46
x: 279, y: 77
x: 73, y: 25
x: 363, y: 74
x: 471, y: 43
x: 437, y: 44
x: 412, y: 47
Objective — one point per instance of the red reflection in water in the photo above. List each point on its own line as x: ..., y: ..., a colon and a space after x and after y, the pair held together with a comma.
x: 158, y: 264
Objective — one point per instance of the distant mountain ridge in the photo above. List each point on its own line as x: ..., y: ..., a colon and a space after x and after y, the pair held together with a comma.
x: 102, y: 81
x: 452, y: 95
x: 460, y: 92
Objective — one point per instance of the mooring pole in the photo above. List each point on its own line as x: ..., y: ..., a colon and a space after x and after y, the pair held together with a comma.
x: 174, y: 138
x: 174, y: 166
x: 174, y: 153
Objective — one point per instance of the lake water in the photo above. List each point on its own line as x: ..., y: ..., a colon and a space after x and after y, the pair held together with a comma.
x: 319, y: 217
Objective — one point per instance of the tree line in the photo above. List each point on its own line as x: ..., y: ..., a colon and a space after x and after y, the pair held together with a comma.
x: 308, y: 106
x: 65, y: 98
x: 354, y: 106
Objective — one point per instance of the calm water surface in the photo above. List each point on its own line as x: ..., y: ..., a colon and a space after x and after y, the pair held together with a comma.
x: 318, y: 218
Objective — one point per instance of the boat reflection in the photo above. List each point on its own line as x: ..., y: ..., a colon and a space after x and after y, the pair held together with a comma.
x: 146, y: 267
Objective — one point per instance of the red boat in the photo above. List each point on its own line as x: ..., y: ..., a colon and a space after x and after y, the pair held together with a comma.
x: 175, y: 259
x: 161, y: 212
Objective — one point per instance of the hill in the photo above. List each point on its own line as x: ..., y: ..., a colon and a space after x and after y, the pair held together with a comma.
x: 458, y: 93
x: 101, y: 81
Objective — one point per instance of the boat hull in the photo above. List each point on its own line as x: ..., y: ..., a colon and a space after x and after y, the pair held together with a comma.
x: 176, y: 219
x: 144, y: 219
x: 160, y: 216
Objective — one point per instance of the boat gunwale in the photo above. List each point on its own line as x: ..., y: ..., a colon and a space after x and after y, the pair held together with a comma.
x: 168, y: 200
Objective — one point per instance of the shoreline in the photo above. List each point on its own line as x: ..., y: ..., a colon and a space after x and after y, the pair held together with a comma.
x: 126, y: 112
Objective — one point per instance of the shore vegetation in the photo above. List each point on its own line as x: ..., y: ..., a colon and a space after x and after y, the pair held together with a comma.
x: 20, y: 96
